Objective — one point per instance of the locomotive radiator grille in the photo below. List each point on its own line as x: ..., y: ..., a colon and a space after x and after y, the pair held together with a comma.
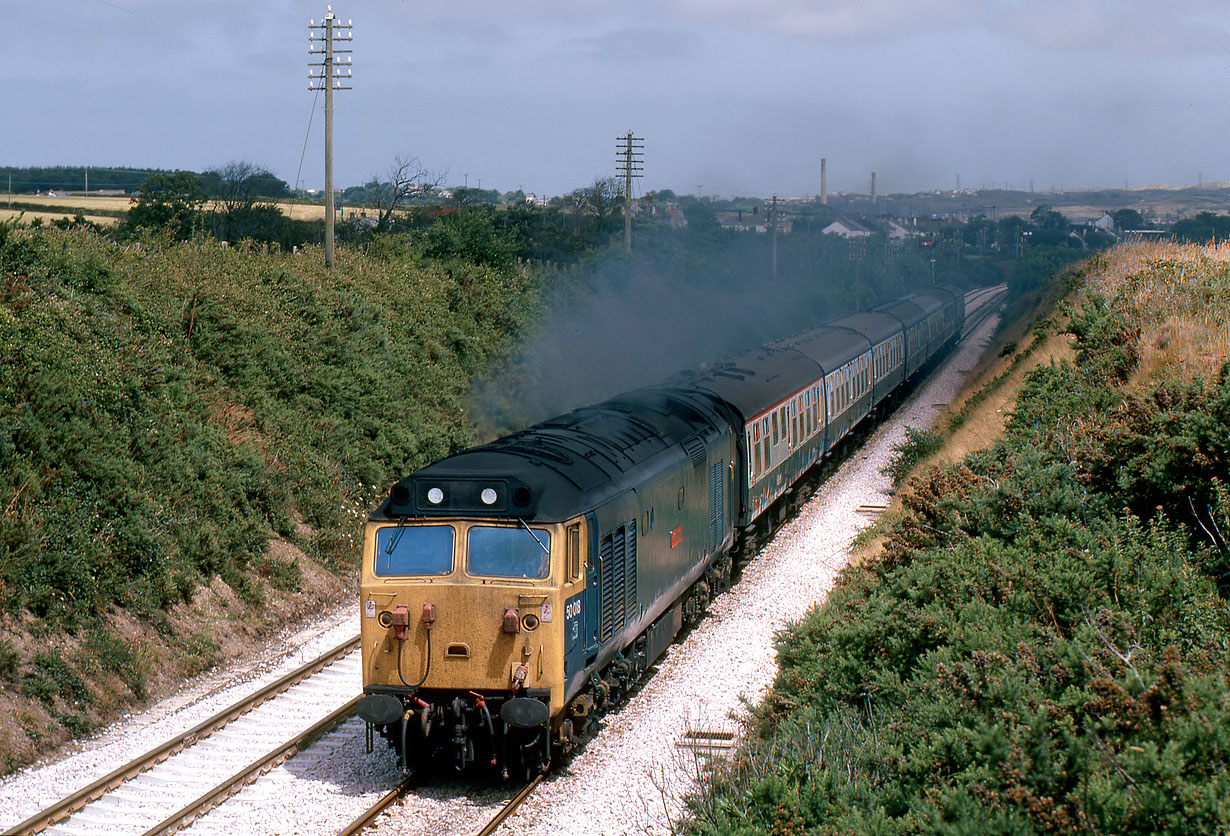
x: 617, y: 577
x: 717, y: 504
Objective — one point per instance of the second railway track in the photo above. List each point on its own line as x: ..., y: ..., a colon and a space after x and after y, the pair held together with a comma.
x: 170, y: 784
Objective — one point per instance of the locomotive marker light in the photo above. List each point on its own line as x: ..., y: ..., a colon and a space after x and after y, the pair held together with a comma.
x: 435, y: 496
x: 488, y: 496
x: 400, y: 621
x: 512, y: 621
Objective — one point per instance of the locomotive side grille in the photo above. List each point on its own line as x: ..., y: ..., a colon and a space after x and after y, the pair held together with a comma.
x: 617, y: 578
x: 606, y: 572
x: 717, y: 503
x: 696, y: 449
x: 630, y: 572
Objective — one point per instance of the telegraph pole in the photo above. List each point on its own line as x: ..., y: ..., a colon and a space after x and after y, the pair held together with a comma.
x: 629, y: 164
x: 773, y: 228
x: 330, y: 78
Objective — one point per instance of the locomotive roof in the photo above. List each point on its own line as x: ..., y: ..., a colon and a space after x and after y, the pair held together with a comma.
x: 561, y: 467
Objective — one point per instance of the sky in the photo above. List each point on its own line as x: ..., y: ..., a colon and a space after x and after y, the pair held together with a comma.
x: 732, y: 97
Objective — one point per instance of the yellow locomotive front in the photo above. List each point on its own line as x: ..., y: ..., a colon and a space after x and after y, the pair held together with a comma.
x: 463, y: 638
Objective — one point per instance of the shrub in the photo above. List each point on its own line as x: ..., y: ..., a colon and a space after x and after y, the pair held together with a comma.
x: 917, y: 445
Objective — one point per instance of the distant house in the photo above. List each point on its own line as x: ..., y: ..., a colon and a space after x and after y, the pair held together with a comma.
x: 898, y: 234
x: 1105, y: 223
x: 745, y: 221
x: 848, y: 229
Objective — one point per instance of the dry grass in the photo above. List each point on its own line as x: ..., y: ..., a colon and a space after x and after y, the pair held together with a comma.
x: 66, y: 202
x: 66, y: 206
x: 48, y: 217
x: 1178, y: 295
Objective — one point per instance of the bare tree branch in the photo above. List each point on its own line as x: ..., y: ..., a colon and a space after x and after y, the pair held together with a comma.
x: 407, y: 177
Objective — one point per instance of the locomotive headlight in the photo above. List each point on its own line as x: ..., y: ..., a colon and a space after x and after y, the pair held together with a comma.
x: 488, y: 496
x: 435, y: 496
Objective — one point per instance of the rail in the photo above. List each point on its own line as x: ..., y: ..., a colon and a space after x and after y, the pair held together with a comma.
x: 74, y: 802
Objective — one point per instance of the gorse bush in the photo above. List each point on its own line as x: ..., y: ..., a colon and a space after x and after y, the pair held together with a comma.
x: 167, y: 408
x: 1042, y: 646
x: 917, y: 445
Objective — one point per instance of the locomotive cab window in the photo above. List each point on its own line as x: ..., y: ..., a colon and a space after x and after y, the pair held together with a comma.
x: 574, y: 552
x: 414, y: 550
x: 508, y: 552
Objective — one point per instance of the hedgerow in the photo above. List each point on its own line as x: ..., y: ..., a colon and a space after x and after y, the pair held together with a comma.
x: 1043, y: 644
x: 166, y: 408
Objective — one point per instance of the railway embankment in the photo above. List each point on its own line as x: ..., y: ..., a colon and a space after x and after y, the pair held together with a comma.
x: 1036, y: 639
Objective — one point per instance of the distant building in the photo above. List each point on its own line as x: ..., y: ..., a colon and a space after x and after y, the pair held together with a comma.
x: 848, y: 229
x: 1105, y: 223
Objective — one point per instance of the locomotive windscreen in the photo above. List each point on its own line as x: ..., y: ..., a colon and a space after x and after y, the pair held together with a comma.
x: 508, y: 552
x: 414, y: 550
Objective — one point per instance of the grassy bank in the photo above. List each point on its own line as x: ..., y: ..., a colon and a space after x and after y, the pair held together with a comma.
x: 170, y: 410
x: 1042, y: 643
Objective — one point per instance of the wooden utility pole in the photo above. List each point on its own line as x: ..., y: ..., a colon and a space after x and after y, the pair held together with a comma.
x: 329, y: 79
x: 629, y: 164
x: 773, y: 230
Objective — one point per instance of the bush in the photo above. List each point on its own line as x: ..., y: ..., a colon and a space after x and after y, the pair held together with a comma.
x: 156, y: 432
x: 917, y: 445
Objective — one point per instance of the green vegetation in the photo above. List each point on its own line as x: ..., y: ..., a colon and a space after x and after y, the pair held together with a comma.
x: 1042, y: 645
x: 167, y: 408
x: 917, y: 445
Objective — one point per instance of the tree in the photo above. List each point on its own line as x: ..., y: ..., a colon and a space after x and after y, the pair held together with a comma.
x: 1126, y: 219
x: 238, y: 185
x: 600, y: 201
x: 1048, y: 219
x: 237, y: 188
x: 172, y: 202
x: 407, y: 178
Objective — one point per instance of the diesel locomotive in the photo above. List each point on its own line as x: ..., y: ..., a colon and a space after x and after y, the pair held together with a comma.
x: 514, y: 591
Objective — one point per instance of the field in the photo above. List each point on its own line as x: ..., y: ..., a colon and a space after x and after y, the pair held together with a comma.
x: 106, y: 209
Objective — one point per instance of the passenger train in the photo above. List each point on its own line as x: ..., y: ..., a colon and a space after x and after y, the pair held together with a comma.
x: 514, y: 591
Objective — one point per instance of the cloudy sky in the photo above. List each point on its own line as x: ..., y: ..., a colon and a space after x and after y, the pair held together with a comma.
x: 732, y: 97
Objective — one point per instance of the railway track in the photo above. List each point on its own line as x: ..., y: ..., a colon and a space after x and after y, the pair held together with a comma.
x: 364, y: 821
x: 980, y: 305
x: 168, y: 786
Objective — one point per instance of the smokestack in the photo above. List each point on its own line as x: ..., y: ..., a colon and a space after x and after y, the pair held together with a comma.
x: 824, y: 182
x: 873, y: 187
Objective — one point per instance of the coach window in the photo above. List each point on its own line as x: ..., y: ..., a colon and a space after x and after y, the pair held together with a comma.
x: 775, y: 427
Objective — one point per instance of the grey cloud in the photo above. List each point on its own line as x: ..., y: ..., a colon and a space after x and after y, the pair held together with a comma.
x: 1148, y: 27
x: 639, y: 45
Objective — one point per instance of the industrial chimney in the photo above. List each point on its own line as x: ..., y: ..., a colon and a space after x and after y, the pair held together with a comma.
x: 824, y: 182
